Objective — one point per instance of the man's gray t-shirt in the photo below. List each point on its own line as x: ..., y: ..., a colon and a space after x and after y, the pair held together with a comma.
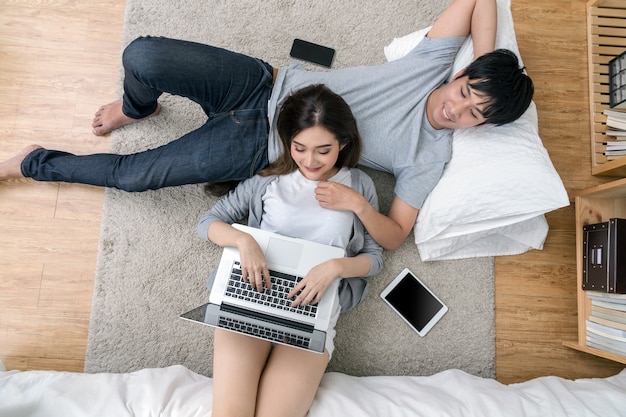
x: 388, y: 102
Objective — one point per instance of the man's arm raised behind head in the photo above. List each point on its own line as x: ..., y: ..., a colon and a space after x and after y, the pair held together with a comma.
x: 462, y: 17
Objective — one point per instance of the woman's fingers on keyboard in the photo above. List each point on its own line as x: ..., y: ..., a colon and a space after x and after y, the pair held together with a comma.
x: 295, y: 291
x: 254, y: 278
x: 268, y: 278
x: 258, y: 281
x: 312, y: 297
x: 304, y: 297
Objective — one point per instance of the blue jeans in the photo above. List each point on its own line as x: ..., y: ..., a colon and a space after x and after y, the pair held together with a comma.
x: 232, y: 89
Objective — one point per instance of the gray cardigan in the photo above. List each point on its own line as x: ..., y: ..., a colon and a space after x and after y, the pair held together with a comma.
x: 246, y: 202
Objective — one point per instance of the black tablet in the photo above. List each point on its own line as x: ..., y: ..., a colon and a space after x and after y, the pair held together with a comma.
x: 418, y: 306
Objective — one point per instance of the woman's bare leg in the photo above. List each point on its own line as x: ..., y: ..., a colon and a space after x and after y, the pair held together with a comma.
x: 110, y: 117
x: 289, y: 382
x: 238, y: 362
x: 11, y: 168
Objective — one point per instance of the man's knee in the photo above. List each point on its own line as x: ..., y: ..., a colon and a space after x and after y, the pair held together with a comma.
x: 138, y: 52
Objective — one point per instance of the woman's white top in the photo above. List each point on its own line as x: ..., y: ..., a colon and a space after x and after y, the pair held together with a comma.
x: 290, y: 208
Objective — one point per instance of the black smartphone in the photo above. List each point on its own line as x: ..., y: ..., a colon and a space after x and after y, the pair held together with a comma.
x: 312, y: 52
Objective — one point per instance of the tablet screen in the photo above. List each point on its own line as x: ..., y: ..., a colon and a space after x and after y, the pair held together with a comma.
x: 414, y: 302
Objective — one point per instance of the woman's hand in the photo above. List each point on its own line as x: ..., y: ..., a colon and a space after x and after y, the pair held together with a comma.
x: 253, y: 265
x: 315, y: 283
x: 335, y: 196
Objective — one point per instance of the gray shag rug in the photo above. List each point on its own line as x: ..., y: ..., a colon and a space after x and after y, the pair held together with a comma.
x: 152, y: 266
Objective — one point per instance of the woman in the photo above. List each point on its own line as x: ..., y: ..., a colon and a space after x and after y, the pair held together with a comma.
x: 321, y: 141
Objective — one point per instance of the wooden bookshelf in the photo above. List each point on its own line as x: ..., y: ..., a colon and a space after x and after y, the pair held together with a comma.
x: 606, y: 37
x: 594, y: 205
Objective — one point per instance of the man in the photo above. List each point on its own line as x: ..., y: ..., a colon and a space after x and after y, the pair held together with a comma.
x: 405, y: 111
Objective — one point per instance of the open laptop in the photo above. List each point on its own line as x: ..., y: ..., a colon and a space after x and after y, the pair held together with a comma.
x: 234, y: 305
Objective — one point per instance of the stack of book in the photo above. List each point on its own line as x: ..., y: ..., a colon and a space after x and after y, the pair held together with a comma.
x: 606, y: 326
x: 615, y: 147
x: 615, y: 119
x: 616, y: 129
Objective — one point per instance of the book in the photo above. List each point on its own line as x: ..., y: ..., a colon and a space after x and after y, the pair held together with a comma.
x: 606, y: 338
x: 605, y: 296
x: 609, y: 349
x: 607, y: 322
x: 606, y: 331
x: 607, y: 304
x: 615, y: 114
x: 610, y: 152
x: 609, y: 314
x: 615, y: 123
x: 606, y: 342
x: 615, y: 119
x: 620, y: 134
x: 615, y: 145
x: 611, y: 157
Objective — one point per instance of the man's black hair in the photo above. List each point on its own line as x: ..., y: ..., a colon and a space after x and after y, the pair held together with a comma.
x: 498, y: 76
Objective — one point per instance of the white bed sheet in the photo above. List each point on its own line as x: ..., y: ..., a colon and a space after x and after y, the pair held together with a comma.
x: 500, y: 182
x: 177, y: 392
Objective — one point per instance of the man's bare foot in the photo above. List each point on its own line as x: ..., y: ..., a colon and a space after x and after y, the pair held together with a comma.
x: 110, y: 117
x: 11, y: 168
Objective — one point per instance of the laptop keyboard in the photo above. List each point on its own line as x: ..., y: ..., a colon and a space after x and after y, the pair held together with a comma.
x: 282, y: 284
x: 264, y: 332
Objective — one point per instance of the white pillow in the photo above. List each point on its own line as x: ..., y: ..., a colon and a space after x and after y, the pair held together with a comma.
x: 500, y: 181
